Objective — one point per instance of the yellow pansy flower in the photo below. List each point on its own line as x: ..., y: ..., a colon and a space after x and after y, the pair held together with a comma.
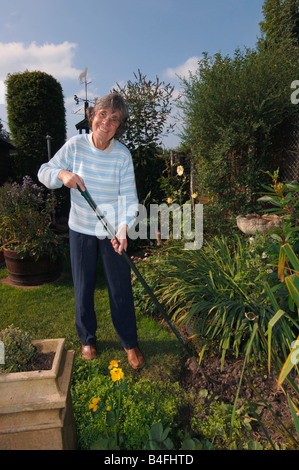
x: 113, y: 364
x: 116, y: 374
x: 94, y: 404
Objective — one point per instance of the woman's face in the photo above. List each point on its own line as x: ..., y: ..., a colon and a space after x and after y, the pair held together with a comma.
x: 104, y: 125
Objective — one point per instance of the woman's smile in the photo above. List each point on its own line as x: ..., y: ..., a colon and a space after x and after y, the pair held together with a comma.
x: 104, y: 125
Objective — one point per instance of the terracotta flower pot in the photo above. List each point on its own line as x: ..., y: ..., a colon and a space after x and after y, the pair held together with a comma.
x: 35, y: 407
x: 28, y: 272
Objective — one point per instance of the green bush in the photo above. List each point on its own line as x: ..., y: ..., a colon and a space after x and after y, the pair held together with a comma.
x: 236, y: 110
x: 18, y: 349
x: 32, y: 116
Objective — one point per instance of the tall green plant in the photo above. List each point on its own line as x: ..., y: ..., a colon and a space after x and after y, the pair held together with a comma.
x: 288, y: 273
x: 35, y: 109
x: 281, y: 20
x: 220, y: 290
x: 149, y: 105
x: 283, y: 199
x: 233, y: 109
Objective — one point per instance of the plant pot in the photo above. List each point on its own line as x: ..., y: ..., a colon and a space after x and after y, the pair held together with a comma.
x: 28, y: 272
x: 252, y: 223
x: 35, y: 407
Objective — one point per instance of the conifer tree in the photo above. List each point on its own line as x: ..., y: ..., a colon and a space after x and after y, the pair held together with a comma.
x: 35, y: 109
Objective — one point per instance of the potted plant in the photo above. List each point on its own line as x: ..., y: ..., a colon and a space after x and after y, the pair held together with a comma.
x: 35, y: 404
x: 32, y: 250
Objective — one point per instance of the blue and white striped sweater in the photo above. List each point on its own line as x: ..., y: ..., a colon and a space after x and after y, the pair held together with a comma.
x: 108, y: 175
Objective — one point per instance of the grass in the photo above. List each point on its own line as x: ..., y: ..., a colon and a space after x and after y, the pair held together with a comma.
x: 48, y: 311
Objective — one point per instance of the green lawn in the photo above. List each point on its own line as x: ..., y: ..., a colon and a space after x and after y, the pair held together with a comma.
x: 47, y: 311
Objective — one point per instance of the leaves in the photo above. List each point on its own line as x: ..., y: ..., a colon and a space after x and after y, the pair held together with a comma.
x: 219, y: 289
x: 35, y: 108
x: 149, y: 104
x: 233, y: 109
x: 25, y: 214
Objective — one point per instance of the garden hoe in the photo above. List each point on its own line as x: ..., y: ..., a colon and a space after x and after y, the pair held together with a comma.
x: 111, y: 233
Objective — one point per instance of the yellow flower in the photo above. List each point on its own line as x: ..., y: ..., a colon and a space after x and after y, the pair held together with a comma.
x: 169, y: 200
x: 116, y: 374
x: 108, y: 408
x: 180, y: 170
x: 94, y: 404
x: 113, y: 364
x: 194, y: 196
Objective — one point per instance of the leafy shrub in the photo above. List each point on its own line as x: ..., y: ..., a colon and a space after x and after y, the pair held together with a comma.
x: 25, y: 213
x: 32, y: 116
x: 220, y: 289
x: 18, y: 349
x: 143, y: 404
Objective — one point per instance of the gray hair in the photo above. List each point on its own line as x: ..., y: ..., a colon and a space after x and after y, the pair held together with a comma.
x: 117, y: 103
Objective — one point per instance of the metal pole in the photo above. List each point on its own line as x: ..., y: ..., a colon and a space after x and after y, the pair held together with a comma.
x: 49, y: 138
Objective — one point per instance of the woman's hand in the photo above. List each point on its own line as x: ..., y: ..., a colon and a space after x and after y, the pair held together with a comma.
x: 122, y: 238
x: 71, y: 180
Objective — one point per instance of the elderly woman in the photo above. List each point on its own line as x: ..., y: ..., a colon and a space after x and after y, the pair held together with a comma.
x: 99, y: 162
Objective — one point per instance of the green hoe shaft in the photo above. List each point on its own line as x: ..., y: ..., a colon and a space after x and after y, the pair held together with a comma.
x: 111, y: 233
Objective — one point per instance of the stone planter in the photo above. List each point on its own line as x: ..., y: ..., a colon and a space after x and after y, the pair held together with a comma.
x: 28, y: 272
x: 252, y: 223
x: 35, y: 407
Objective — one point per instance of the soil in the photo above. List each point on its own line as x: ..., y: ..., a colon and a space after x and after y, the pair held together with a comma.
x: 223, y: 383
x: 42, y: 361
x: 258, y: 388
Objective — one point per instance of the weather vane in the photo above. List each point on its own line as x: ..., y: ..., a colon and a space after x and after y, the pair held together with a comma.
x: 83, y: 80
x: 82, y: 76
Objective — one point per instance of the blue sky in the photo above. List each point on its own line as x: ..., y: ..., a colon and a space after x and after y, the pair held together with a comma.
x: 116, y: 38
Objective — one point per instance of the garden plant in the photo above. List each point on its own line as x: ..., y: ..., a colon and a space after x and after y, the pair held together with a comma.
x: 235, y: 300
x: 223, y: 291
x: 26, y: 218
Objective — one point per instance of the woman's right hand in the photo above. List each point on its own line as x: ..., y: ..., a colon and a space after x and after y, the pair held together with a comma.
x: 71, y: 180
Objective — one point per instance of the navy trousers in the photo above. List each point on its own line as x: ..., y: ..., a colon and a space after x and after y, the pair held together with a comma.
x: 84, y: 250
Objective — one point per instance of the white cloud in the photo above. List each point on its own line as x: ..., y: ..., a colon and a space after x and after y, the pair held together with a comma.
x: 2, y: 92
x: 54, y: 59
x: 183, y: 70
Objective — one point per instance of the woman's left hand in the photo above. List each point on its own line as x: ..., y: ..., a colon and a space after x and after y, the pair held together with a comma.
x: 122, y: 238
